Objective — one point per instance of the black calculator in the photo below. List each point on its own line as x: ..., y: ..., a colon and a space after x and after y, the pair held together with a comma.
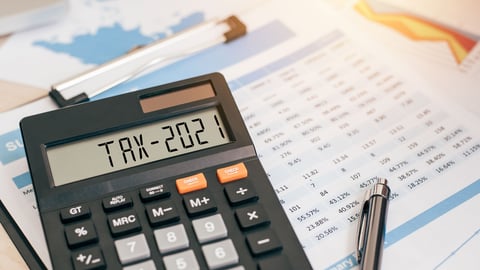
x: 161, y: 178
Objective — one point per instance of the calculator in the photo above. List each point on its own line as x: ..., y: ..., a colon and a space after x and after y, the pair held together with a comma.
x: 162, y: 178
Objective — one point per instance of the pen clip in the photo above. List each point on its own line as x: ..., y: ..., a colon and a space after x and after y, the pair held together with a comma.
x: 361, y: 226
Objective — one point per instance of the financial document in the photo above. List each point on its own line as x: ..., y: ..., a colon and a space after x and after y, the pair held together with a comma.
x: 328, y: 117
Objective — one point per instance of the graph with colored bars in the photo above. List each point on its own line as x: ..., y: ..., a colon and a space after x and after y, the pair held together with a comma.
x: 419, y: 27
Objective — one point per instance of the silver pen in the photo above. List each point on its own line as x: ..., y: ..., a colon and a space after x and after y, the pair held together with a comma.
x: 371, y: 226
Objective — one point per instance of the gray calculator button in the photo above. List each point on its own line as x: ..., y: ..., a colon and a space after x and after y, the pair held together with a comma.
x: 240, y: 267
x: 181, y: 261
x: 132, y: 249
x: 171, y: 238
x: 209, y: 228
x: 148, y: 265
x: 220, y: 254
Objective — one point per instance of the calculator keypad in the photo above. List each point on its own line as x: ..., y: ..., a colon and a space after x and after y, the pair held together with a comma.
x: 188, y: 228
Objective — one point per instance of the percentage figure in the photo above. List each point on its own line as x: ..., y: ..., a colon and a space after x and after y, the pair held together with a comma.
x: 339, y: 198
x: 398, y: 166
x: 407, y: 174
x: 417, y: 182
x: 319, y: 222
x: 308, y: 214
x: 326, y: 233
x: 348, y: 206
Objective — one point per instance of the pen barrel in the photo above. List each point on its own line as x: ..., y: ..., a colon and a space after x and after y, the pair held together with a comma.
x: 375, y: 233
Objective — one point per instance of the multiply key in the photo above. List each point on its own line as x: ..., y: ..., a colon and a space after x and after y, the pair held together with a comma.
x: 251, y: 216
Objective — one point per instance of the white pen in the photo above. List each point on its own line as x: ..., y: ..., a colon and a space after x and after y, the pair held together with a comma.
x: 371, y: 226
x: 82, y: 87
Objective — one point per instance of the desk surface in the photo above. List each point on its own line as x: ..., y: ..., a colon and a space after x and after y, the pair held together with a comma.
x: 9, y: 256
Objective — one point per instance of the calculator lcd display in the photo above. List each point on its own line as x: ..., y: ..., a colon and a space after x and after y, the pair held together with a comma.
x: 110, y: 152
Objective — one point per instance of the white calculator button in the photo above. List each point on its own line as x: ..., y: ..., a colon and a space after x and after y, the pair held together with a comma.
x: 171, y: 238
x: 132, y: 249
x: 220, y: 254
x: 181, y: 261
x: 209, y: 228
x: 148, y: 265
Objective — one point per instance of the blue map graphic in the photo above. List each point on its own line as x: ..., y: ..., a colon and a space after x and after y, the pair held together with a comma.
x: 110, y: 42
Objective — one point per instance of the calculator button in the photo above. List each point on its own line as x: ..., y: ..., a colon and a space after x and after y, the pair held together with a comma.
x: 220, y: 254
x: 132, y: 249
x: 171, y: 238
x: 277, y: 263
x: 123, y: 223
x: 91, y: 258
x: 240, y: 192
x: 181, y: 261
x: 154, y: 192
x: 148, y: 265
x: 263, y: 241
x: 199, y: 202
x: 209, y: 228
x: 117, y: 202
x: 191, y: 183
x: 232, y: 173
x: 240, y: 267
x: 80, y: 233
x: 73, y: 213
x: 161, y: 213
x: 251, y: 216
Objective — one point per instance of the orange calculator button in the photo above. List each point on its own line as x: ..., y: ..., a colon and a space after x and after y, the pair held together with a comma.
x: 232, y: 173
x: 191, y: 183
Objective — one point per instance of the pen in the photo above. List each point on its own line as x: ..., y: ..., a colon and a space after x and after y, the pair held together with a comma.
x: 81, y: 88
x: 371, y: 226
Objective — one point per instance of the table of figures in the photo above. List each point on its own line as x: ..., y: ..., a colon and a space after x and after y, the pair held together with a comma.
x: 327, y: 121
